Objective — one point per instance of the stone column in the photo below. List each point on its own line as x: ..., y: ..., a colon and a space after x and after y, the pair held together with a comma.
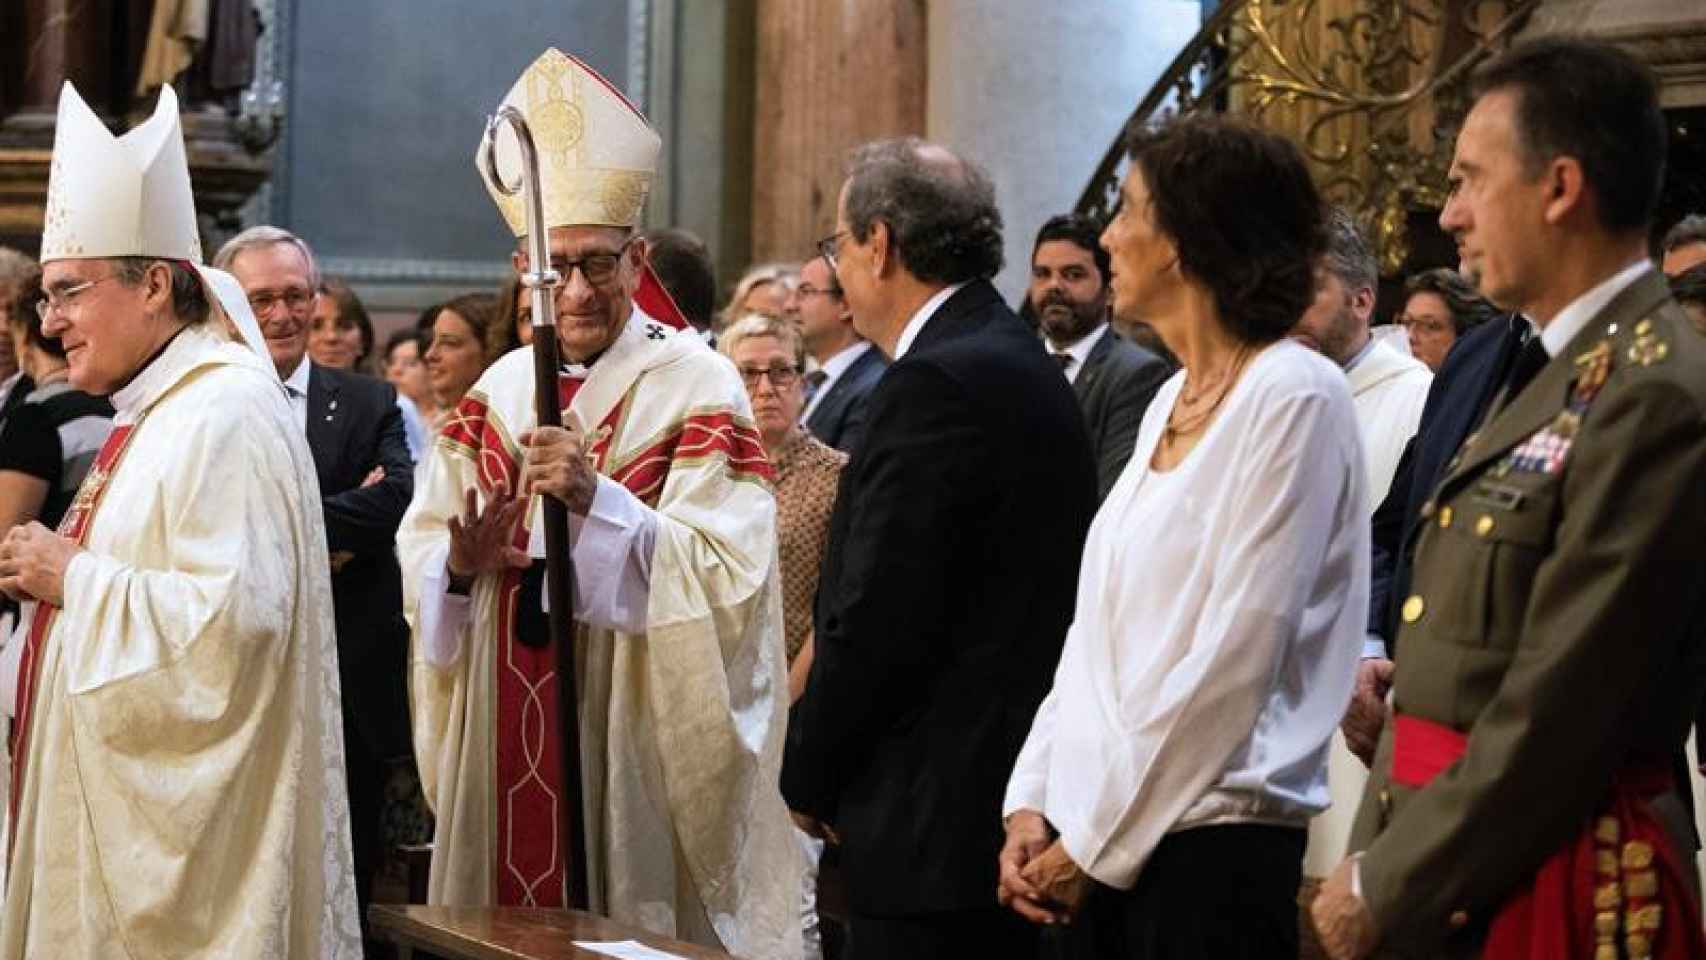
x: 829, y: 77
x: 1037, y: 97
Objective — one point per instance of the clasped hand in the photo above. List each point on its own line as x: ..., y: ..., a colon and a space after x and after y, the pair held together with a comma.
x: 33, y: 560
x: 557, y: 464
x: 1038, y: 880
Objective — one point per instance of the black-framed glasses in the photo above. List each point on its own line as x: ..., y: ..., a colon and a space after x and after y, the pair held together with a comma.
x: 805, y: 290
x: 780, y: 377
x: 831, y: 245
x: 63, y: 301
x: 598, y: 268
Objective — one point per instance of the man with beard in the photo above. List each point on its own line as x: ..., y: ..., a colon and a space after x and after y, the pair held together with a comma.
x: 1113, y: 378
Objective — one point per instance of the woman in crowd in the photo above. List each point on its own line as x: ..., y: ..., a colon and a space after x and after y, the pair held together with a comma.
x: 461, y: 349
x: 1439, y: 307
x: 342, y: 334
x: 1163, y: 793
x: 516, y: 303
x: 405, y: 369
x: 763, y: 289
x: 50, y: 440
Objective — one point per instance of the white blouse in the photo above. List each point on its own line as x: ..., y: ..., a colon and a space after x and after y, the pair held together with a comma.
x: 1218, y: 624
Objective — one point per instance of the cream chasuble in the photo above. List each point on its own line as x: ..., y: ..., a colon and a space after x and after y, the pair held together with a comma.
x: 179, y: 781
x: 1389, y: 389
x: 682, y: 725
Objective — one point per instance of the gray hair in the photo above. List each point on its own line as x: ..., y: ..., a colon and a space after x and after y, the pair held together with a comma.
x: 940, y: 209
x: 15, y: 265
x: 1690, y: 229
x: 1348, y: 256
x: 757, y: 275
x: 189, y: 297
x: 267, y: 236
x: 758, y: 325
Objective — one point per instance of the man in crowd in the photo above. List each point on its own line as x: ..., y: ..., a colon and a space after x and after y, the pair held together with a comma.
x: 847, y: 367
x: 1684, y: 245
x: 683, y: 266
x: 1558, y: 552
x: 952, y: 561
x: 178, y: 783
x: 1113, y: 379
x: 354, y: 430
x: 14, y: 384
x: 678, y: 602
x: 1689, y: 289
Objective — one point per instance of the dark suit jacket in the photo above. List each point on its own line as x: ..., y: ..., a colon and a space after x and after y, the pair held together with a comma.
x: 353, y: 426
x: 946, y: 593
x: 839, y: 419
x: 1114, y: 389
x: 1553, y: 619
x: 19, y: 390
x: 1456, y: 402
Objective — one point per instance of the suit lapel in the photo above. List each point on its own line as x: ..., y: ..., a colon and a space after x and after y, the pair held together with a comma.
x: 325, y: 423
x: 1509, y: 423
x: 1092, y: 371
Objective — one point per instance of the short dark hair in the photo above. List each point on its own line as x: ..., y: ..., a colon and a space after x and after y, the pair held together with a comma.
x: 413, y: 335
x: 1348, y: 255
x: 1242, y: 212
x: 1690, y: 229
x: 350, y: 308
x: 1591, y: 101
x: 20, y: 312
x: 189, y: 297
x: 1467, y: 307
x: 1075, y: 228
x: 1689, y: 287
x: 940, y: 211
x: 683, y: 265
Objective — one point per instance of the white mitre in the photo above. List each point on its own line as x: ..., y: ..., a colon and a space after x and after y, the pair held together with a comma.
x: 130, y: 196
x: 597, y: 153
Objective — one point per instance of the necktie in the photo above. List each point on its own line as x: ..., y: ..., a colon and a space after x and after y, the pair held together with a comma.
x: 814, y: 380
x: 1064, y: 359
x: 1529, y: 361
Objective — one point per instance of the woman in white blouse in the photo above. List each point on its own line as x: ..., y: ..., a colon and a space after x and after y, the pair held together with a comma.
x: 1161, y: 799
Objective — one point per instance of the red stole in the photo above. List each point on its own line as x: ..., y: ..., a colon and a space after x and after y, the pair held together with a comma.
x: 74, y: 526
x: 1618, y: 882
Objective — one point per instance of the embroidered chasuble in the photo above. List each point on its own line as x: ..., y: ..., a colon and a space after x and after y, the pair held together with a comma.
x: 682, y: 709
x: 178, y: 774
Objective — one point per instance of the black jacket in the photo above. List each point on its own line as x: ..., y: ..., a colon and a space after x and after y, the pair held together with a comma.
x: 946, y: 593
x: 354, y: 425
x: 839, y: 419
x: 1114, y: 389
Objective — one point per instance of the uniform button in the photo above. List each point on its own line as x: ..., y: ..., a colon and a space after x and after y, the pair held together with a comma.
x: 1444, y: 517
x: 1644, y: 327
x: 1413, y: 608
x: 1385, y: 799
x: 1458, y: 919
x: 1484, y: 526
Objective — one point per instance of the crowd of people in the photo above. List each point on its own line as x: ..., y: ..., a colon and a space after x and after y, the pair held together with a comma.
x: 1085, y: 627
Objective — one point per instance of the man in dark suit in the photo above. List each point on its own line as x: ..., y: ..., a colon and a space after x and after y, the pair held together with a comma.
x: 952, y: 561
x: 1113, y: 378
x: 848, y: 367
x: 361, y: 457
x: 1523, y: 799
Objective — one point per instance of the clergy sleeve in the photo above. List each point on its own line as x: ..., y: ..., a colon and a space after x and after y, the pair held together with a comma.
x: 1283, y: 532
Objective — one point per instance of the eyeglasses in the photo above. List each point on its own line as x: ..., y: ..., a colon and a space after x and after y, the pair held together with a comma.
x: 294, y: 300
x: 829, y: 246
x: 598, y: 268
x: 62, y: 302
x: 805, y: 290
x: 780, y: 377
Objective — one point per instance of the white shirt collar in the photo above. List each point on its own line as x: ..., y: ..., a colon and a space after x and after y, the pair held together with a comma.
x: 1555, y: 336
x: 298, y: 379
x: 916, y: 325
x: 1079, y: 350
x: 837, y: 365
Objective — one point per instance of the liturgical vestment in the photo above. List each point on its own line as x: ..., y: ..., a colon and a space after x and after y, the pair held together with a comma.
x: 683, y: 693
x: 178, y: 783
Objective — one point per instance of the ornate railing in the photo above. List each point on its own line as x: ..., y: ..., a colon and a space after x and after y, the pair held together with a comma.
x: 1371, y: 90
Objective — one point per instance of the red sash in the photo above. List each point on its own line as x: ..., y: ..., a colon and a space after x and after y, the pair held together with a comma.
x: 74, y: 526
x: 1619, y: 882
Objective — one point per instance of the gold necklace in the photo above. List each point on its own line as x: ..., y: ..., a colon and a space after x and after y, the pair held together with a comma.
x: 1189, y: 423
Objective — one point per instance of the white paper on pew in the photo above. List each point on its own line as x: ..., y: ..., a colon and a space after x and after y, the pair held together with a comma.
x: 627, y: 950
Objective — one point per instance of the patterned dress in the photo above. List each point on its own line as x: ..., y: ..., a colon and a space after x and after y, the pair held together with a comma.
x: 807, y: 475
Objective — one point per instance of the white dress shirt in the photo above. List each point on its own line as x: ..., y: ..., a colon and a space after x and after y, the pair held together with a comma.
x: 296, y: 387
x: 1568, y: 322
x: 1079, y: 351
x: 1218, y: 620
x: 832, y: 369
x: 915, y: 326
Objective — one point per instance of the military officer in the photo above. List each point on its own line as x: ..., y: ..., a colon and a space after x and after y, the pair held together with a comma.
x: 1521, y: 799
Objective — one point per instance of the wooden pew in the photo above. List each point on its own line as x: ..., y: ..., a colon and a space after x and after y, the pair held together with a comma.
x: 509, y: 933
